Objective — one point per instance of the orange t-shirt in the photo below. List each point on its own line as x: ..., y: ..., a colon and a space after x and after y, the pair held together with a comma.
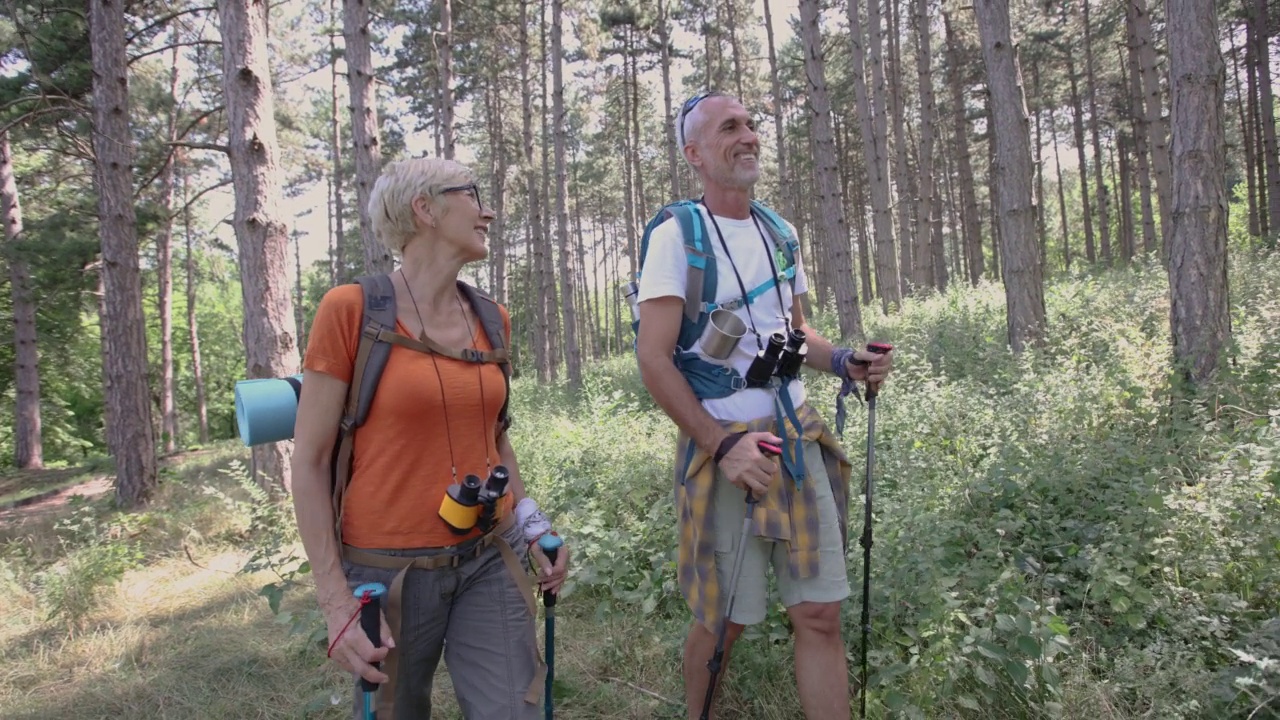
x: 402, y: 464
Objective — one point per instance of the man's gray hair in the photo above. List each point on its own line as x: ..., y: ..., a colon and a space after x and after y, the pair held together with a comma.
x: 688, y: 121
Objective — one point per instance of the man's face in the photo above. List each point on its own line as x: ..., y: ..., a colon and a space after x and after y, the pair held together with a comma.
x: 724, y: 146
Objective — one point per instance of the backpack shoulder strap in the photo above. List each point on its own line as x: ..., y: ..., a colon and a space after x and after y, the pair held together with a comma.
x: 700, y: 285
x: 371, y: 355
x: 486, y: 308
x: 379, y: 312
x: 779, y: 229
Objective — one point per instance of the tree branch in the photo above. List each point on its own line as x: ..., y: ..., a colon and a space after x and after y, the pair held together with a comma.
x: 165, y: 19
x: 202, y: 146
x: 32, y: 114
x: 199, y: 195
x: 157, y: 51
x: 199, y: 119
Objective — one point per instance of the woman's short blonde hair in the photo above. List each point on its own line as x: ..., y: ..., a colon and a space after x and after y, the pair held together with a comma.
x: 402, y: 182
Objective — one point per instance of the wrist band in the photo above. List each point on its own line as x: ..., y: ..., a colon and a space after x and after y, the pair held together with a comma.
x: 726, y: 445
x: 535, y: 540
x: 840, y: 362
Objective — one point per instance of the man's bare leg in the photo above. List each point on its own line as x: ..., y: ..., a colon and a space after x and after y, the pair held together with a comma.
x: 822, y: 675
x: 699, y: 646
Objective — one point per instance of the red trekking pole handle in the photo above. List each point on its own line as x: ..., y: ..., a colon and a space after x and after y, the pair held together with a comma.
x: 878, y: 348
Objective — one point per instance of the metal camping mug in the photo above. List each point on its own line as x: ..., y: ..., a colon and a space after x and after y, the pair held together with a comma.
x: 631, y: 291
x: 724, y: 330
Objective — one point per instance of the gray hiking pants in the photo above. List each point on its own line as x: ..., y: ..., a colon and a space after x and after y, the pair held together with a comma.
x: 475, y: 615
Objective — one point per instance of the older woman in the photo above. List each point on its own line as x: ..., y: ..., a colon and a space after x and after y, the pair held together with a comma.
x: 434, y: 422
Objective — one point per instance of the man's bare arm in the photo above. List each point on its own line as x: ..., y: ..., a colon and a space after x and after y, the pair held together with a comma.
x: 659, y: 329
x: 744, y: 464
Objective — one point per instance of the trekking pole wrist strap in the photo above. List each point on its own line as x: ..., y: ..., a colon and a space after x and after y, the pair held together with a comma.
x: 532, y: 521
x: 840, y: 359
x: 726, y: 445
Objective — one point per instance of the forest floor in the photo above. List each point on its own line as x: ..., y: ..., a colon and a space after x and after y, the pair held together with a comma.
x: 183, y: 632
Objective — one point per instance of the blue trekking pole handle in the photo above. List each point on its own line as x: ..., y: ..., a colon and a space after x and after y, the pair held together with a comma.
x: 370, y: 597
x: 550, y: 545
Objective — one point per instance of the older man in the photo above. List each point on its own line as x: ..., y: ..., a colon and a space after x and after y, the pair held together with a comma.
x: 727, y: 411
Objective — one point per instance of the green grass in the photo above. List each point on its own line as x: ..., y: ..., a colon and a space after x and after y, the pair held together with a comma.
x: 1062, y: 534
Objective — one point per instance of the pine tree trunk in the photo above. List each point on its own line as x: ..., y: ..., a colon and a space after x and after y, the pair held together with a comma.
x: 864, y: 244
x: 909, y: 268
x: 830, y: 218
x: 1062, y: 194
x: 1249, y: 156
x: 1104, y: 217
x: 642, y: 202
x: 1140, y: 136
x: 664, y: 55
x: 950, y: 207
x: 498, y: 152
x: 1157, y: 128
x: 446, y: 79
x: 779, y: 128
x: 993, y: 195
x: 1255, y: 122
x: 971, y: 230
x: 930, y: 209
x: 632, y: 246
x: 262, y: 237
x: 1041, y: 234
x: 532, y: 187
x: 28, y: 443
x: 298, y: 318
x: 1199, y: 311
x: 130, y: 436
x: 731, y: 21
x: 337, y: 261
x: 874, y: 143
x: 548, y: 271
x: 164, y: 271
x: 193, y: 331
x: 1077, y: 123
x: 364, y: 127
x: 1127, y: 240
x: 1024, y: 286
x: 1270, y: 149
x: 572, y: 352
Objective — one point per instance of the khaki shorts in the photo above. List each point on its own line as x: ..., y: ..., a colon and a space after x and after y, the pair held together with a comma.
x: 750, y: 601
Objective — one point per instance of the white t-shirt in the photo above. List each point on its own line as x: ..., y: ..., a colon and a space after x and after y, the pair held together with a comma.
x: 666, y: 274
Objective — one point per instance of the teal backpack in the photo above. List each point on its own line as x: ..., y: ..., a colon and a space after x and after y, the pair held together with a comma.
x: 709, y: 380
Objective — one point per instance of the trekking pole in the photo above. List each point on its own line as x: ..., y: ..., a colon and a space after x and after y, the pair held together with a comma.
x: 550, y: 545
x: 717, y: 658
x: 370, y: 596
x: 866, y: 541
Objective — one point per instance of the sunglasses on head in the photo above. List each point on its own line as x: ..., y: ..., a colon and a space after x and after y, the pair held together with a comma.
x: 688, y: 107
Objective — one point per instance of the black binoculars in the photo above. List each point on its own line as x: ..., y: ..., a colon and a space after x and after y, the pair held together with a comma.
x: 782, y: 356
x: 469, y: 503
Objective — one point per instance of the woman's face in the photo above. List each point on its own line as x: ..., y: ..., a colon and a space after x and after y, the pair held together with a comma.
x: 465, y: 223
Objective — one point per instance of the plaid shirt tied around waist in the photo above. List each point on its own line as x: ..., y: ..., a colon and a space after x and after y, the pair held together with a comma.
x: 788, y: 512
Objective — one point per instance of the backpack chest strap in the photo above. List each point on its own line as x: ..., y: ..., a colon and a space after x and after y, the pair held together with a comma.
x: 426, y: 345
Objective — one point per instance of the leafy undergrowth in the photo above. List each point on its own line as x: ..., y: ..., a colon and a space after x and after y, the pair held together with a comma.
x: 1068, y: 533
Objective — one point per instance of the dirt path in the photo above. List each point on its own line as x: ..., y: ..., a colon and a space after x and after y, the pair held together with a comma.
x: 15, y: 518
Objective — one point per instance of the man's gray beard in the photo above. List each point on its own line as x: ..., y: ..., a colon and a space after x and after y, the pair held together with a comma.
x: 731, y: 180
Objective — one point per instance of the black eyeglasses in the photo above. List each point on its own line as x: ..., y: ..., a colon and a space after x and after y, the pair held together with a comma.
x: 688, y: 107
x: 472, y: 188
